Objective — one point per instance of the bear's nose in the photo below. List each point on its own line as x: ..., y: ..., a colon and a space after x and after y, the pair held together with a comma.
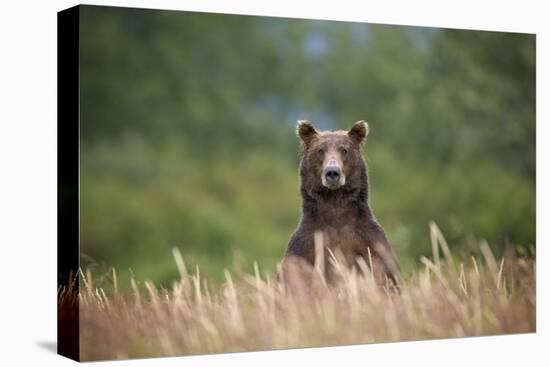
x: 332, y: 174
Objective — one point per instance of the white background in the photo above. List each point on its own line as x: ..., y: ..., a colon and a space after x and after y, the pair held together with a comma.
x: 28, y: 181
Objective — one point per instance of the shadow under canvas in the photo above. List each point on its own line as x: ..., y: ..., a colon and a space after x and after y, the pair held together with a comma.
x: 48, y: 345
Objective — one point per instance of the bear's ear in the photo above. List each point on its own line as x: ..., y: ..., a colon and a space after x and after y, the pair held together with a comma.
x: 359, y: 131
x: 306, y: 131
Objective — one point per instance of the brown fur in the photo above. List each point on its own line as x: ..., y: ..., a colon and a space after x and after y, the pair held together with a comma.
x: 343, y: 215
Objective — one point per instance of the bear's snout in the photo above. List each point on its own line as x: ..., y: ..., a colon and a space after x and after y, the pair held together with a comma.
x: 333, y: 177
x: 333, y: 174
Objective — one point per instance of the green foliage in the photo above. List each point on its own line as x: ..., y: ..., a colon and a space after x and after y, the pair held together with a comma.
x: 187, y: 133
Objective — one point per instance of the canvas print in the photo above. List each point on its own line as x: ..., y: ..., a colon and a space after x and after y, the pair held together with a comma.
x: 233, y: 183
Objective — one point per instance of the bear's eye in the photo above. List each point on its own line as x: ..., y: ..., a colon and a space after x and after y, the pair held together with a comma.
x: 343, y: 151
x: 320, y: 151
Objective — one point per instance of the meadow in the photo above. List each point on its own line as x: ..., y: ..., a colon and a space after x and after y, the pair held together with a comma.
x: 446, y: 297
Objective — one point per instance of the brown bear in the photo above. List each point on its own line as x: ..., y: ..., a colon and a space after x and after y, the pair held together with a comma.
x: 335, y: 208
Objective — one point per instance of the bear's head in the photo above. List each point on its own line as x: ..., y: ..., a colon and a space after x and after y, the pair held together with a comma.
x: 332, y: 160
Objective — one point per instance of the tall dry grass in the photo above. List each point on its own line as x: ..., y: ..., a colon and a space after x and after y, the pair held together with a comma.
x: 444, y: 298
